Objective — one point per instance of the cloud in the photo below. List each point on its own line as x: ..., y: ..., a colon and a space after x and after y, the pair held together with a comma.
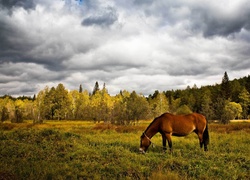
x: 134, y: 45
x: 211, y: 18
x: 223, y: 19
x: 26, y: 4
x: 104, y: 19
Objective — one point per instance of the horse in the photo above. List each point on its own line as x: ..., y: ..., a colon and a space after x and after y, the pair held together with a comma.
x: 175, y: 125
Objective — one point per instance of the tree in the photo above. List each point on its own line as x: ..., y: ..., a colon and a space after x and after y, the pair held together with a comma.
x: 244, y: 100
x: 225, y: 87
x: 184, y: 109
x: 94, y: 109
x: 96, y: 88
x: 28, y: 109
x: 175, y: 105
x: 49, y: 103
x: 80, y: 89
x: 137, y: 107
x: 4, y: 114
x: 218, y: 108
x: 39, y: 107
x: 170, y: 97
x: 236, y: 89
x: 18, y: 112
x: 158, y: 104
x: 230, y: 111
x: 119, y: 112
x: 233, y: 110
x: 62, y: 102
x: 106, y: 105
x: 206, y: 104
x: 80, y: 105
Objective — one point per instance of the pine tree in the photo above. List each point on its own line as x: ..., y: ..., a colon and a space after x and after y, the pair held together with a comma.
x: 225, y: 87
x: 80, y: 89
x: 96, y: 88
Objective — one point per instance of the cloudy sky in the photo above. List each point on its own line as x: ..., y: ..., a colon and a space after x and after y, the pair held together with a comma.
x: 141, y: 45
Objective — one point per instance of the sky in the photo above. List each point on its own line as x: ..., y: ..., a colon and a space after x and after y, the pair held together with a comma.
x: 134, y: 45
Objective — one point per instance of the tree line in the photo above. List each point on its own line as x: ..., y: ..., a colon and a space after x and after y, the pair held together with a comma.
x: 223, y: 102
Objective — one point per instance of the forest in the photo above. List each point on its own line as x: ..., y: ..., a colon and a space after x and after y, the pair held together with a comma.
x: 223, y: 102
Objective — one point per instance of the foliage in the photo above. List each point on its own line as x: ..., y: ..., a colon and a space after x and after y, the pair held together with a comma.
x: 225, y: 87
x: 221, y: 102
x: 244, y: 100
x: 158, y: 103
x: 234, y: 109
x: 184, y: 109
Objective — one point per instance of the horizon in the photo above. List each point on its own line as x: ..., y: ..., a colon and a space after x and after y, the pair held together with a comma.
x: 100, y: 86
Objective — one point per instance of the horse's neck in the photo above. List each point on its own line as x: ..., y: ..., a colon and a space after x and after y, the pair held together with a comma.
x: 150, y: 132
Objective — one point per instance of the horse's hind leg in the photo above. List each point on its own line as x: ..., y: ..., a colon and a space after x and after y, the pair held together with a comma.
x: 205, y: 147
x: 200, y: 136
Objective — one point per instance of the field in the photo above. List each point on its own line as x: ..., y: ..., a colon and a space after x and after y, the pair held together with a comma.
x: 84, y: 150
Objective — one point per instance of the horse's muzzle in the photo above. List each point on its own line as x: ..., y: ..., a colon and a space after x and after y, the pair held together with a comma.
x: 141, y: 151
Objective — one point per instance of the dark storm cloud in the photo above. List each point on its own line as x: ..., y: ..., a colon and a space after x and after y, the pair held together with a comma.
x: 213, y: 23
x: 143, y: 2
x: 104, y: 19
x: 21, y: 44
x: 13, y: 45
x: 26, y: 4
x: 139, y: 45
x: 208, y: 17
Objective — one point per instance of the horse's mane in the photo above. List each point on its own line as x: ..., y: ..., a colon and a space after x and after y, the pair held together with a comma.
x: 155, y: 119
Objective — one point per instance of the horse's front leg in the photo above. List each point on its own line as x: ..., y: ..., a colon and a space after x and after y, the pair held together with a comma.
x: 164, y: 142
x: 168, y: 136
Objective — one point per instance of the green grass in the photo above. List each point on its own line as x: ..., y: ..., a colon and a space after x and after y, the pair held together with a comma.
x: 83, y: 150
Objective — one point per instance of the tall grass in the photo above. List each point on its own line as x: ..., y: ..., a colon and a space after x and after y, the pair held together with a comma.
x: 77, y: 150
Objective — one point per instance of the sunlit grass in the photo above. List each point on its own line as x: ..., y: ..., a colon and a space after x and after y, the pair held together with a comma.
x: 83, y: 149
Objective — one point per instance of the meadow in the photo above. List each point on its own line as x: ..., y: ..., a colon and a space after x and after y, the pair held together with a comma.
x: 85, y: 150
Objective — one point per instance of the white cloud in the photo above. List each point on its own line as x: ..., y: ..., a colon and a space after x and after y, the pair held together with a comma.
x: 137, y: 45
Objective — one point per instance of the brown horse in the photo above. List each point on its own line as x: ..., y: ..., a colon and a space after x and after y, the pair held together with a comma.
x: 177, y: 125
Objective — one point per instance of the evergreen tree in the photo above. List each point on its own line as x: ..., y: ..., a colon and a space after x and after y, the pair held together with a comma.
x: 96, y: 88
x: 247, y: 85
x: 225, y: 87
x: 206, y: 104
x: 80, y: 89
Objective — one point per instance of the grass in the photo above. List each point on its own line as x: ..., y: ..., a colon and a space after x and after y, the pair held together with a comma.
x: 84, y: 150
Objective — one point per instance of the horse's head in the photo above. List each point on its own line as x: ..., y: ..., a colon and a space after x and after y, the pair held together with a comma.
x: 145, y: 143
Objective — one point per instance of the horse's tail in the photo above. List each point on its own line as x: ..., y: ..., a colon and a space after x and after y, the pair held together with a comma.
x: 206, y: 136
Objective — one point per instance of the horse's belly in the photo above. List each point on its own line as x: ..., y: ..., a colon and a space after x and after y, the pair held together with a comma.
x: 179, y: 135
x: 183, y: 132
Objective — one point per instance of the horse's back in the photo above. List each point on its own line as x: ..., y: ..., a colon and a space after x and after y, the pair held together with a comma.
x: 182, y: 125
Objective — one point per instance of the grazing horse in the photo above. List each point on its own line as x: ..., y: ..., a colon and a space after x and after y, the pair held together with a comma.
x: 175, y: 125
